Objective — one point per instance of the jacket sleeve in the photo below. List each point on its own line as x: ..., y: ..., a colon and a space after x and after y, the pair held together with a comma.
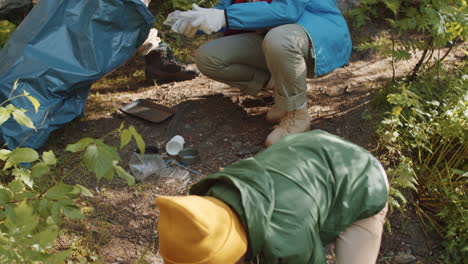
x: 221, y: 5
x: 256, y: 15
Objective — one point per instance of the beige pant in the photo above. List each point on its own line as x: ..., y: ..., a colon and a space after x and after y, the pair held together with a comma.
x: 247, y: 61
x: 360, y: 242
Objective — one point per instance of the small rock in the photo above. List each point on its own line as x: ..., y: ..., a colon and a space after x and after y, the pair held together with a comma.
x: 404, y: 259
x: 119, y: 260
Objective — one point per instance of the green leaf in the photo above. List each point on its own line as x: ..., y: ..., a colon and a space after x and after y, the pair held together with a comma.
x: 11, y: 108
x: 4, y: 154
x: 125, y: 138
x: 16, y: 186
x: 73, y: 212
x: 23, y: 155
x: 60, y: 191
x: 33, y: 101
x: 4, y: 115
x: 24, y: 175
x: 396, y: 110
x: 55, y: 213
x: 15, y: 85
x: 99, y: 158
x: 39, y: 169
x: 49, y: 157
x: 393, y: 5
x: 122, y: 125
x: 42, y: 207
x: 22, y: 119
x: 5, y: 196
x: 80, y: 145
x: 24, y: 218
x: 84, y: 191
x: 45, y: 238
x: 125, y: 175
x: 139, y: 140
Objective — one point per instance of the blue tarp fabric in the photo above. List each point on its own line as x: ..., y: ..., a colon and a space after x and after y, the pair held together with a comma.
x: 56, y: 54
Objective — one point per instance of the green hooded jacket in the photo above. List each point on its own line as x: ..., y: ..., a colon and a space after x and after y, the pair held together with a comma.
x: 299, y: 194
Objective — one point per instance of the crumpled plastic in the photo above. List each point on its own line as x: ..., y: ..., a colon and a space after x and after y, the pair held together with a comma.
x: 60, y: 49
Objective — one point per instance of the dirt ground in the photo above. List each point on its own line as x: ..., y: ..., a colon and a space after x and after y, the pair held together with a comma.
x: 224, y: 126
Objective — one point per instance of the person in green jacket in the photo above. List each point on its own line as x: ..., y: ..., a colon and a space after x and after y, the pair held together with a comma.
x: 281, y: 206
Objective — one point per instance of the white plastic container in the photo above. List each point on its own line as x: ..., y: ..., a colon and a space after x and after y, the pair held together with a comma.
x: 175, y: 145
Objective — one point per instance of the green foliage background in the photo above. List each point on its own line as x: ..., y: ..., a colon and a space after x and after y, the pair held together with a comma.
x: 424, y: 25
x: 425, y: 133
x: 6, y: 29
x: 31, y: 214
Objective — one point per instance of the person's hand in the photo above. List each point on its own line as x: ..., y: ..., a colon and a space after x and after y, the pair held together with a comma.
x: 150, y: 43
x: 172, y: 18
x: 187, y: 26
x: 207, y: 19
x: 183, y: 25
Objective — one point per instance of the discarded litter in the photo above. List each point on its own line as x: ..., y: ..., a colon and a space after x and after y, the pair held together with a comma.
x: 174, y: 145
x: 144, y: 165
x: 174, y: 162
x: 148, y: 110
x: 177, y: 174
x: 188, y: 156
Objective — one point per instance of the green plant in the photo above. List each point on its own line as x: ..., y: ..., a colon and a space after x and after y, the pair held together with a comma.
x: 425, y: 25
x: 6, y: 29
x: 427, y: 132
x: 31, y: 214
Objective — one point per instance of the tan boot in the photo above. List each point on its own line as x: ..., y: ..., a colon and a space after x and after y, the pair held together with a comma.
x: 275, y: 114
x: 293, y: 122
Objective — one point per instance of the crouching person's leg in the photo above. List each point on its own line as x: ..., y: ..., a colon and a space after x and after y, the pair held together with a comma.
x: 235, y: 60
x: 287, y: 53
x: 360, y: 243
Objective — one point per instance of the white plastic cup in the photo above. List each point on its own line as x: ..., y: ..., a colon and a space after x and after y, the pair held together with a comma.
x: 175, y: 145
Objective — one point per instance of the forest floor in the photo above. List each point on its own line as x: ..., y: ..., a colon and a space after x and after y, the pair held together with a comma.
x: 224, y: 126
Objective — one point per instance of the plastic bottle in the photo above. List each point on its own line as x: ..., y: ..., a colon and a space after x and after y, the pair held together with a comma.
x: 144, y: 165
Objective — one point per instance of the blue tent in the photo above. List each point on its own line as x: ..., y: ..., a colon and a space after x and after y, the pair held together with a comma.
x: 56, y: 54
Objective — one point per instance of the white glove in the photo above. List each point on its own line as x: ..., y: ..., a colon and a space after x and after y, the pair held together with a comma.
x: 181, y: 25
x: 150, y: 43
x: 172, y: 18
x: 146, y: 2
x: 207, y: 19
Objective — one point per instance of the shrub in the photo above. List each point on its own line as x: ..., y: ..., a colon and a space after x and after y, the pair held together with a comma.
x: 31, y: 213
x: 427, y: 131
x: 425, y: 25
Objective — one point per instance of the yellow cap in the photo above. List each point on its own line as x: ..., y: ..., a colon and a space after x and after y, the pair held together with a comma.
x: 199, y: 230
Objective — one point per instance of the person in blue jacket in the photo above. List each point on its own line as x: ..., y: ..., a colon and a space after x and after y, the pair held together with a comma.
x: 303, y: 38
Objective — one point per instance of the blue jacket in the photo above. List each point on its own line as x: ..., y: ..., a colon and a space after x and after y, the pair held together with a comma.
x: 322, y: 20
